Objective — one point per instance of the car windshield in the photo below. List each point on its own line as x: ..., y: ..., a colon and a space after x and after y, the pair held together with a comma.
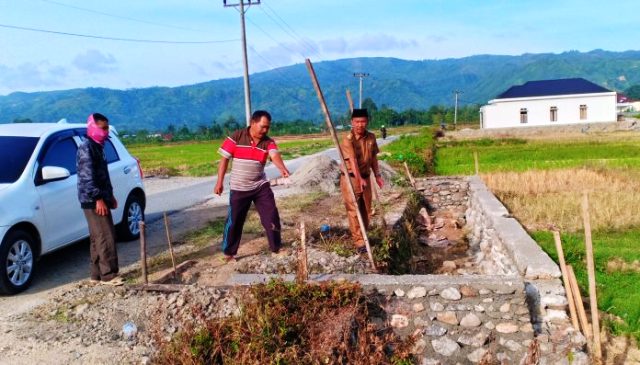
x: 14, y: 155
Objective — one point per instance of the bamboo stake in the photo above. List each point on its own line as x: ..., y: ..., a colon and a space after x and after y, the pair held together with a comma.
x: 593, y: 302
x: 343, y: 165
x: 350, y: 100
x: 143, y: 253
x: 168, y: 231
x: 411, y: 180
x: 565, y: 280
x: 475, y: 160
x: 303, y: 271
x: 577, y: 298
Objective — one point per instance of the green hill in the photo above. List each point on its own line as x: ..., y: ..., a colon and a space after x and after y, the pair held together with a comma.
x: 287, y: 92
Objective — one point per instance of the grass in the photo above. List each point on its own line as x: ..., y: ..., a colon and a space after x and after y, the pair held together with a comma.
x: 201, y: 158
x: 288, y: 323
x: 512, y: 154
x: 416, y: 150
x: 618, y: 291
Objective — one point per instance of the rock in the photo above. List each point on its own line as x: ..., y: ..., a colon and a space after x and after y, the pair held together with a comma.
x: 417, y: 292
x: 436, y: 307
x: 513, y: 346
x: 80, y: 309
x: 420, y: 322
x: 445, y: 346
x: 468, y: 291
x: 477, y: 340
x: 448, y: 317
x: 478, y: 308
x: 526, y: 328
x: 418, y: 307
x: 476, y: 355
x: 505, y: 308
x: 451, y: 294
x: 419, y: 347
x: 448, y: 266
x: 399, y: 292
x: 484, y: 291
x: 507, y: 327
x: 399, y: 321
x: 435, y: 330
x: 470, y: 320
x: 427, y: 361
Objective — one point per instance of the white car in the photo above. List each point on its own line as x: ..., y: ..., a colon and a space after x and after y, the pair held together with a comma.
x: 39, y: 207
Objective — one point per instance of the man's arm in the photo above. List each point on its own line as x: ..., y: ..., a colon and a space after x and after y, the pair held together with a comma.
x: 376, y: 171
x: 276, y: 158
x: 222, y: 170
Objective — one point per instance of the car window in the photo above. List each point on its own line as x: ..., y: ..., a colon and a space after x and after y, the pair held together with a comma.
x: 110, y: 152
x: 15, y: 152
x: 62, y: 154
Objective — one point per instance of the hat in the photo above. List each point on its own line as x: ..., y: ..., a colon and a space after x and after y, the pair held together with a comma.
x: 358, y: 113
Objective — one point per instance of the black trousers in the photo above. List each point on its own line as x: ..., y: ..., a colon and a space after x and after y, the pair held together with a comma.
x: 104, y: 257
x: 239, y: 204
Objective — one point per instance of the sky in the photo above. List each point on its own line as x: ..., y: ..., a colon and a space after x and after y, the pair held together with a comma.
x: 280, y: 33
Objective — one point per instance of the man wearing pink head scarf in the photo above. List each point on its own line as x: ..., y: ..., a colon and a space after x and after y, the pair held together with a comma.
x: 95, y: 193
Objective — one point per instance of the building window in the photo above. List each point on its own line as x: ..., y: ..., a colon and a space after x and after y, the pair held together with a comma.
x: 523, y: 115
x: 553, y: 116
x: 583, y: 112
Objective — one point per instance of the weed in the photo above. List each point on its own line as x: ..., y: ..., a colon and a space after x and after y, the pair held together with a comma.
x: 288, y: 323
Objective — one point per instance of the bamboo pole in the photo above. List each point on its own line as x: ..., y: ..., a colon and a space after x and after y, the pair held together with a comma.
x: 565, y: 280
x: 350, y: 100
x: 476, y: 163
x: 593, y: 302
x: 143, y: 253
x: 168, y: 231
x: 303, y: 271
x: 577, y: 298
x: 411, y: 180
x: 343, y: 165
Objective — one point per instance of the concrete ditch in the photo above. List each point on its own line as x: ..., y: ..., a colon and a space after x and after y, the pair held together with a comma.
x: 502, y: 300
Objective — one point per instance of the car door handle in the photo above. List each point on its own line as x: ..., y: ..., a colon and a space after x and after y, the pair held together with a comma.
x: 127, y: 169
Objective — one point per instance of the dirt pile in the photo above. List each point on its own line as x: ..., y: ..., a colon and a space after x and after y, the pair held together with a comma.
x: 321, y: 173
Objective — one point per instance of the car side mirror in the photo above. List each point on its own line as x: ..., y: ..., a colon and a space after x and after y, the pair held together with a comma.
x: 54, y: 173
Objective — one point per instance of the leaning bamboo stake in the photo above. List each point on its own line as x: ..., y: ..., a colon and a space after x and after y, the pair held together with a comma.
x: 143, y: 254
x: 565, y: 280
x: 593, y: 302
x: 167, y: 229
x: 350, y: 100
x: 577, y: 298
x: 327, y: 118
x: 411, y: 180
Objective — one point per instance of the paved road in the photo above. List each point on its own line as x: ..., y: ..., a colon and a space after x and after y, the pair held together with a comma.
x: 196, y: 193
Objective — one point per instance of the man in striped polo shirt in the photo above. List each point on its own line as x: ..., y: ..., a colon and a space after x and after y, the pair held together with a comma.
x: 249, y: 149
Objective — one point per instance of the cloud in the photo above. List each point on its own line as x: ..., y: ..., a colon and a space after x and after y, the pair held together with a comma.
x: 366, y: 43
x: 95, y: 62
x: 31, y: 76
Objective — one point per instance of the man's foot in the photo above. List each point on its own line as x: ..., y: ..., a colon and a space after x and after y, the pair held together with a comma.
x: 93, y: 281
x: 229, y: 259
x: 282, y: 252
x: 362, y: 250
x: 116, y: 281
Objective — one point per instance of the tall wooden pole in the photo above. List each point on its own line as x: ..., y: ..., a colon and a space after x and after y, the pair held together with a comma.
x: 582, y: 315
x: 343, y: 165
x: 167, y: 229
x: 565, y: 280
x: 143, y: 253
x: 593, y: 302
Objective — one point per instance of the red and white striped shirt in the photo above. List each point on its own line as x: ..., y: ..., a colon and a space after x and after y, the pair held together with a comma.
x: 249, y: 159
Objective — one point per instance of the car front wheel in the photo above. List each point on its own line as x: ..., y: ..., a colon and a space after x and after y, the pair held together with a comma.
x: 17, y: 262
x: 129, y: 228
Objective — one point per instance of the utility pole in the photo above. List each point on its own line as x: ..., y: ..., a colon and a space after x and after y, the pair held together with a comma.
x: 360, y: 75
x: 247, y: 89
x: 455, y: 110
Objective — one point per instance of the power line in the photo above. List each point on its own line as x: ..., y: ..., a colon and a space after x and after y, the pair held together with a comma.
x: 119, y: 16
x: 290, y: 30
x: 114, y: 38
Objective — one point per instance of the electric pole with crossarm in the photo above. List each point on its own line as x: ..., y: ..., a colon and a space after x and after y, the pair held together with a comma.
x: 360, y: 75
x: 247, y: 90
x: 455, y: 110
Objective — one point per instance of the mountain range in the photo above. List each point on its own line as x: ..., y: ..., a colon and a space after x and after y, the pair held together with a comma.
x: 288, y: 94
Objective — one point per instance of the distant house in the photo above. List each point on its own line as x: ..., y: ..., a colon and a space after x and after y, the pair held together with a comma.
x: 550, y: 102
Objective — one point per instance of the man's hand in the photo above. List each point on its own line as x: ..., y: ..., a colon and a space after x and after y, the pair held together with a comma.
x: 101, y: 208
x: 380, y: 181
x: 362, y: 183
x: 284, y: 172
x: 218, y: 189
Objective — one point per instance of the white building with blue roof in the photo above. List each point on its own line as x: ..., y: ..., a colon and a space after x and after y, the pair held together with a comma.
x: 550, y: 102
